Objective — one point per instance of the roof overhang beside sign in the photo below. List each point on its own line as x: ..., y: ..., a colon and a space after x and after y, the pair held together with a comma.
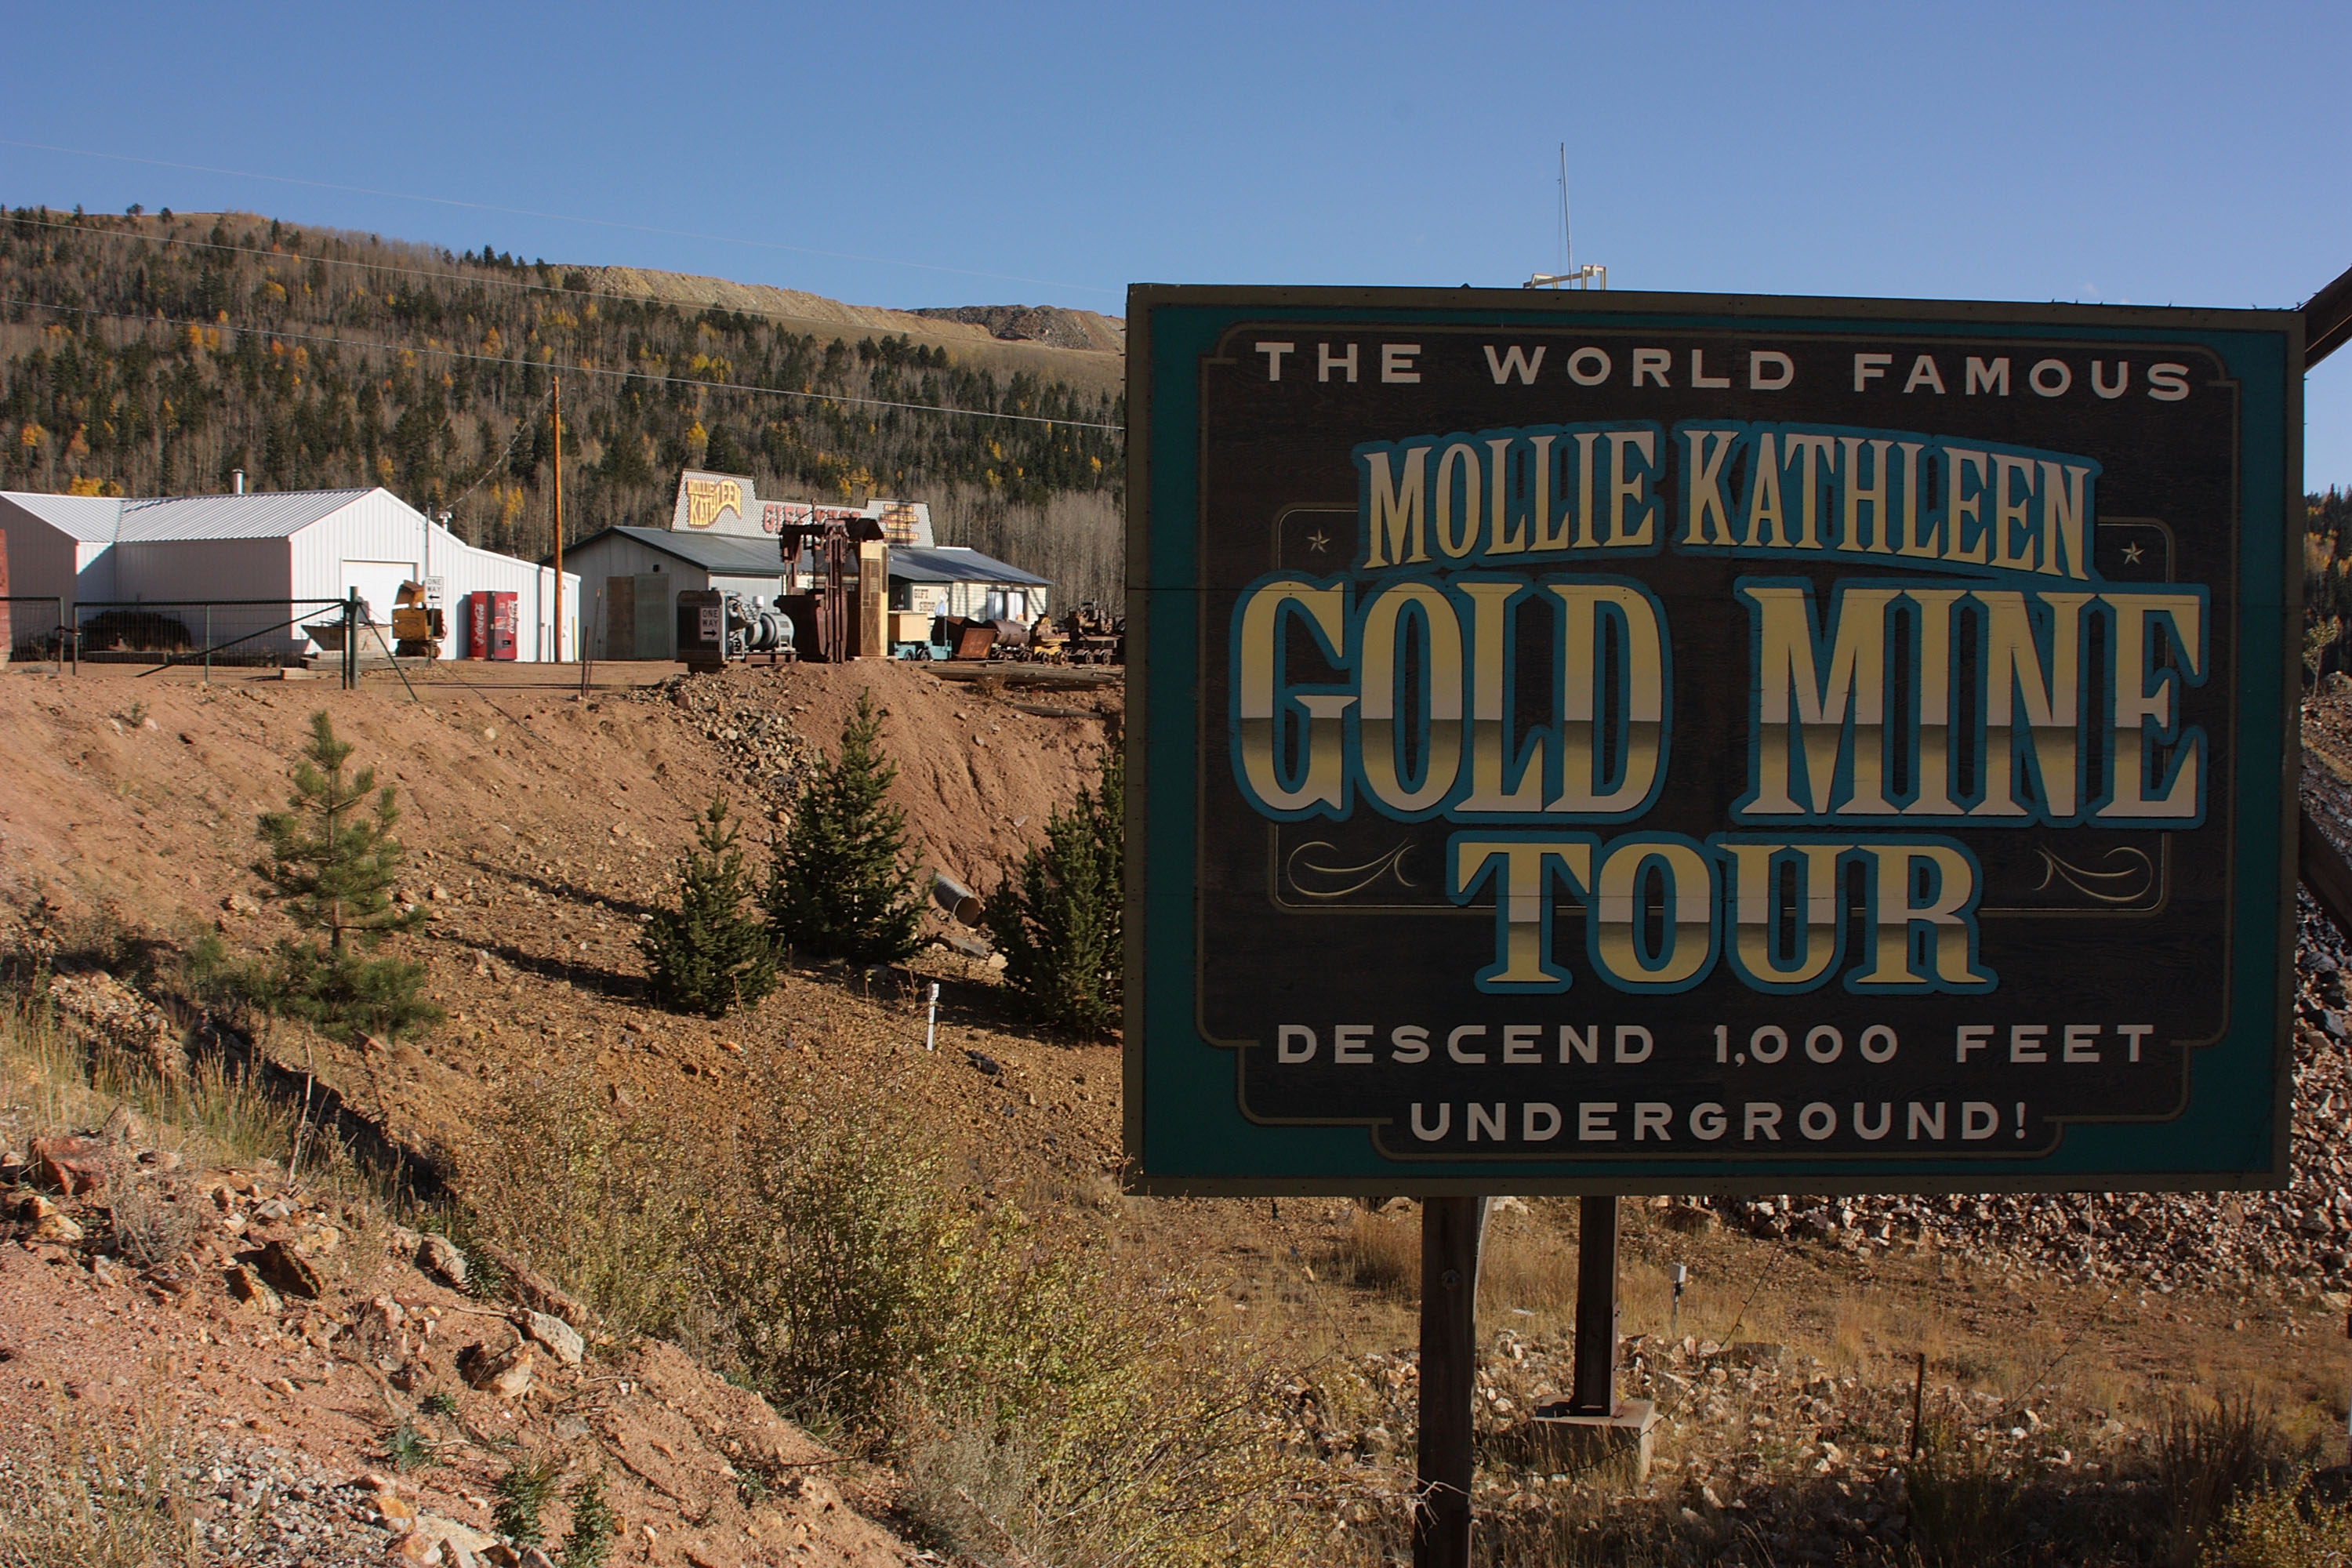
x: 1621, y: 742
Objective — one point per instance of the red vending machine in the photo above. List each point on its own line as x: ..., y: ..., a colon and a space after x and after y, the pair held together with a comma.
x: 490, y: 625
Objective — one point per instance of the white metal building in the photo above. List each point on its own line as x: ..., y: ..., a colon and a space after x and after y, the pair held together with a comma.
x: 176, y: 555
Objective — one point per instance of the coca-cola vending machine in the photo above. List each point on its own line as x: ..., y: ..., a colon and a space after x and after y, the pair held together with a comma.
x: 490, y: 625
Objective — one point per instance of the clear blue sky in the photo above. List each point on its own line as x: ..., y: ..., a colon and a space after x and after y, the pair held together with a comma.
x: 912, y: 154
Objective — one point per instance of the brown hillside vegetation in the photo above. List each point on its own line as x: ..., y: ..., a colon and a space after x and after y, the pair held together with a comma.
x: 157, y: 355
x: 1104, y: 1380
x: 1082, y: 347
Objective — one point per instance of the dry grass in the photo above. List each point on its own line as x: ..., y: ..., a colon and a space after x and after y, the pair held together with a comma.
x: 76, y: 1490
x: 1382, y: 1253
x: 1045, y: 1399
x: 1528, y: 1264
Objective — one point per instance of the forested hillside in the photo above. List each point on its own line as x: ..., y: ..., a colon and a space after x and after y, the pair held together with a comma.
x: 157, y: 354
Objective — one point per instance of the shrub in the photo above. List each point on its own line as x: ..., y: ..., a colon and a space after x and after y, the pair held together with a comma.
x: 825, y: 1255
x: 847, y: 1258
x: 706, y: 955
x: 841, y: 886
x: 149, y: 1227
x: 2272, y: 1528
x: 604, y: 1206
x: 333, y: 867
x: 1059, y: 919
x: 589, y: 1541
x: 406, y: 1448
x: 524, y: 1493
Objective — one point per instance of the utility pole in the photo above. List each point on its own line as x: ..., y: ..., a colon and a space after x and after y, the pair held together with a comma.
x: 557, y: 651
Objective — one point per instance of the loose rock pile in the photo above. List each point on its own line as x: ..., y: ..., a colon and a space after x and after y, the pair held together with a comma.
x: 2166, y: 1240
x: 770, y: 756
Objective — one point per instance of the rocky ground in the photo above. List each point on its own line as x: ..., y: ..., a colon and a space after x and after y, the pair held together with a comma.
x: 544, y: 822
x: 286, y: 1377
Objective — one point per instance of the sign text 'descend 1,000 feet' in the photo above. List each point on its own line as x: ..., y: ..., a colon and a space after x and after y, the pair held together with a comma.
x: 1624, y: 742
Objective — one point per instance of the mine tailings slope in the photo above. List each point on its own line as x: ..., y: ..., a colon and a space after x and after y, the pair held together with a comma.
x: 142, y: 794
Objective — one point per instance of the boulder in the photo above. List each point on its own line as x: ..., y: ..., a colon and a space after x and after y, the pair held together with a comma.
x: 439, y: 1257
x: 290, y: 1271
x: 73, y: 1165
x: 505, y: 1374
x: 434, y: 1538
x: 560, y: 1339
x: 49, y: 1222
x: 250, y: 1290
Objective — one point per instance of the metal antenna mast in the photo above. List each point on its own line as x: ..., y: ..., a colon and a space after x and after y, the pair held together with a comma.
x: 1591, y: 275
x: 1566, y: 234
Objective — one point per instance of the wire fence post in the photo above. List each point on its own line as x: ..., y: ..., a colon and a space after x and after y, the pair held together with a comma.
x: 61, y: 634
x: 350, y: 639
x: 208, y: 644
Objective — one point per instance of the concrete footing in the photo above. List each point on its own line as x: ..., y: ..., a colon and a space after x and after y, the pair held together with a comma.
x: 1581, y: 1442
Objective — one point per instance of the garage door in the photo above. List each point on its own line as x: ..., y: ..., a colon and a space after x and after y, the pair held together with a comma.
x: 379, y: 585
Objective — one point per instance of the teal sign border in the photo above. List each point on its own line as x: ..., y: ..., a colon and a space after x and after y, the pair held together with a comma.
x: 1185, y: 1134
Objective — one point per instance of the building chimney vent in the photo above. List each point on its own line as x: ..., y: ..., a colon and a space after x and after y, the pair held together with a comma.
x: 239, y: 481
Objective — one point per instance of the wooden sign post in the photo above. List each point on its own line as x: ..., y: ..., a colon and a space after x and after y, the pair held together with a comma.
x: 1606, y: 743
x: 1453, y: 1231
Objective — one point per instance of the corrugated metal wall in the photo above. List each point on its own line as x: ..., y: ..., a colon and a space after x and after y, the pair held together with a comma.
x: 201, y: 569
x: 41, y: 559
x: 380, y: 526
x: 618, y: 555
x: 307, y: 564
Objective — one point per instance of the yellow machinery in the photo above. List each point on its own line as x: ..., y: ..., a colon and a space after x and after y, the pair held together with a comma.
x: 417, y: 627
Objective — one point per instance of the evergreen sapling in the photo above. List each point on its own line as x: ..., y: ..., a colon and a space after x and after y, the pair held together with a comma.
x: 840, y: 887
x: 707, y: 955
x: 332, y: 862
x: 1060, y: 919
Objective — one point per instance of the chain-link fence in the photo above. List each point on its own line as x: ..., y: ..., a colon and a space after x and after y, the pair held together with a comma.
x: 159, y: 633
x: 29, y: 629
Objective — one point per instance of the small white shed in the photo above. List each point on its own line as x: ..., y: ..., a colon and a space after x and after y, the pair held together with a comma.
x: 189, y: 560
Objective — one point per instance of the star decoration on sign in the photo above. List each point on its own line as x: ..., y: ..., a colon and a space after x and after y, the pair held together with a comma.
x: 1319, y: 541
x: 2132, y: 553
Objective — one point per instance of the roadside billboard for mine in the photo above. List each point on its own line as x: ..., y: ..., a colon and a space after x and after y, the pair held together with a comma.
x: 1621, y: 742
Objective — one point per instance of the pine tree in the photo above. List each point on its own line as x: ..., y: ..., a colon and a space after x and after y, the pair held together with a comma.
x: 707, y: 955
x: 332, y: 862
x: 333, y: 869
x: 841, y: 886
x: 1060, y: 919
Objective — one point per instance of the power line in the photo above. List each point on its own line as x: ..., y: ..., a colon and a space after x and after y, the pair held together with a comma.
x: 557, y: 218
x: 552, y: 366
x: 93, y: 230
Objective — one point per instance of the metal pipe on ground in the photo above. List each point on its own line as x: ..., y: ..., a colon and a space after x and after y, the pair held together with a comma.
x: 952, y: 895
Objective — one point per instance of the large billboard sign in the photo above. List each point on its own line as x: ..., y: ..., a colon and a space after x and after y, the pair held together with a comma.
x: 1619, y: 742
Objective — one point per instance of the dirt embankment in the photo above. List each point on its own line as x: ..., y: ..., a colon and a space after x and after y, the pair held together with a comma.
x: 542, y: 824
x: 143, y: 792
